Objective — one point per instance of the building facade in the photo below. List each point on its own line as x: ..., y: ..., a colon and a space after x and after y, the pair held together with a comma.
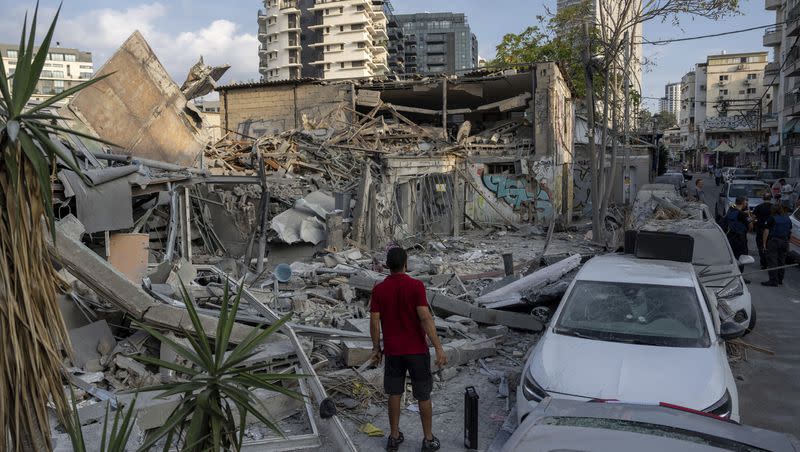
x: 782, y: 79
x: 722, y: 123
x: 63, y: 69
x: 671, y: 102
x: 326, y: 39
x: 438, y: 43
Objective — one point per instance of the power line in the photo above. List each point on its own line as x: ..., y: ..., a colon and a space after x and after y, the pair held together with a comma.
x: 714, y: 35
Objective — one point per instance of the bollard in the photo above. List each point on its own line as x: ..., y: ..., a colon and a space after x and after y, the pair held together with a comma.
x: 508, y: 263
x: 470, y: 418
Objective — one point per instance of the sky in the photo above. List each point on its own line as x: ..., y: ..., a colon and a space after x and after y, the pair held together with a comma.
x: 180, y: 31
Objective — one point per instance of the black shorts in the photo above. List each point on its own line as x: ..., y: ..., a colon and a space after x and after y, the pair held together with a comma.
x: 418, y: 366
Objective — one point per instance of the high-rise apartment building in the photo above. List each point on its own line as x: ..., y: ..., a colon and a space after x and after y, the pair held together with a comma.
x: 327, y: 39
x: 438, y: 43
x: 782, y: 78
x: 671, y: 102
x: 63, y: 69
x: 722, y: 123
x: 598, y: 7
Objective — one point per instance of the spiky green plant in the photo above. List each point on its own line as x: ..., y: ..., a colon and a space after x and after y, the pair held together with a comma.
x: 31, y: 324
x: 114, y: 441
x: 215, y: 381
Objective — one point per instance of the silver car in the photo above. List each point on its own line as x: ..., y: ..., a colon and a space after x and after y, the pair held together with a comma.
x: 567, y: 425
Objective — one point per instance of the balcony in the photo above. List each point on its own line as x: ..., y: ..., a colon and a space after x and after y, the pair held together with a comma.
x: 772, y: 5
x: 792, y: 64
x: 262, y: 17
x: 262, y: 36
x: 791, y: 104
x: 771, y: 72
x: 792, y: 24
x: 773, y: 36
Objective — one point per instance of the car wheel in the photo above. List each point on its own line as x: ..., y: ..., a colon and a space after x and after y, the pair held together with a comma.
x: 752, y: 323
x: 542, y: 314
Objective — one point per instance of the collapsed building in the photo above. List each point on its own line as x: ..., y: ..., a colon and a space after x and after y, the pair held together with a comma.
x: 310, y: 183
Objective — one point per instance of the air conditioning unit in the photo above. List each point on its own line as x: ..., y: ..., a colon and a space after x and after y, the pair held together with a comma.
x: 740, y: 67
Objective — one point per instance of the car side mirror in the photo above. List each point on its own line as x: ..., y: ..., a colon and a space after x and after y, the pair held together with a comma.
x: 730, y: 330
x: 745, y: 259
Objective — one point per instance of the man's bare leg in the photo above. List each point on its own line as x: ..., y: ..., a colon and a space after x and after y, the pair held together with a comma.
x: 426, y: 415
x: 394, y: 416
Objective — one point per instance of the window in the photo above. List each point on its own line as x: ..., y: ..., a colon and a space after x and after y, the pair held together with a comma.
x: 57, y: 56
x: 68, y: 57
x: 85, y: 75
x: 751, y: 90
x: 358, y: 64
x: 341, y: 65
x: 341, y: 10
x: 328, y: 66
x: 356, y: 27
x: 359, y: 7
x: 327, y: 30
x: 361, y: 45
x: 723, y: 78
x: 341, y: 47
x: 327, y: 11
x: 12, y: 53
x: 702, y: 87
x: 723, y: 92
x: 741, y: 91
x: 752, y: 76
x: 341, y: 27
x: 743, y: 60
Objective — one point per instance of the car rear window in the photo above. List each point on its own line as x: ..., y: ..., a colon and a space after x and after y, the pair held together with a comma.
x: 747, y: 190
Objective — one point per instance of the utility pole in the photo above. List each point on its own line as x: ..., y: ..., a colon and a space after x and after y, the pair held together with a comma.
x: 588, y: 75
x: 626, y: 165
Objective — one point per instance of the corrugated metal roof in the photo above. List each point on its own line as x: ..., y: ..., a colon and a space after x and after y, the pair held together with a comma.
x: 299, y: 81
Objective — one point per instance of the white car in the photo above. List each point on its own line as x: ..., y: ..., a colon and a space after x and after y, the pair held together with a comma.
x: 715, y: 265
x: 638, y: 331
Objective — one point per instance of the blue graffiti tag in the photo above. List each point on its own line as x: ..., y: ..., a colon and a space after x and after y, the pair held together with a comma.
x: 510, y: 190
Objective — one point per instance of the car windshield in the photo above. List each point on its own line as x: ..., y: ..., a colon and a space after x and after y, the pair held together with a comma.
x: 771, y: 174
x: 710, y: 247
x: 743, y: 172
x: 667, y: 316
x: 747, y: 190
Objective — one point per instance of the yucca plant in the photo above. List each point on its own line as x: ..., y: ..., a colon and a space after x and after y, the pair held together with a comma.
x: 115, y: 440
x: 215, y: 381
x: 30, y: 321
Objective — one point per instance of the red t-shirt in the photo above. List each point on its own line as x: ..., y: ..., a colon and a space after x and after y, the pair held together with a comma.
x: 396, y: 299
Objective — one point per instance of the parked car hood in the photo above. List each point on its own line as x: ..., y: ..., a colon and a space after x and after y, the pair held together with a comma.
x: 690, y: 377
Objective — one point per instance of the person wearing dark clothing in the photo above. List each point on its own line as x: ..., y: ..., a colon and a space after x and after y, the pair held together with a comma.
x: 400, y: 309
x: 762, y: 212
x: 738, y: 224
x: 776, y: 241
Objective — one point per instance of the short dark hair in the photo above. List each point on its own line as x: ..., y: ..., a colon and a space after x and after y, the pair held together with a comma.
x: 740, y: 200
x: 781, y: 181
x: 697, y: 182
x: 396, y: 259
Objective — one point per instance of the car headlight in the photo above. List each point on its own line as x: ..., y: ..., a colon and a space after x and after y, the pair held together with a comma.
x: 723, y: 407
x: 531, y: 390
x: 733, y: 289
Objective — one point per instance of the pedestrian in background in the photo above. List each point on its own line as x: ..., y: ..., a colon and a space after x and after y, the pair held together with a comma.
x: 400, y: 308
x: 738, y: 224
x: 762, y: 212
x: 697, y: 193
x: 718, y: 176
x: 776, y: 241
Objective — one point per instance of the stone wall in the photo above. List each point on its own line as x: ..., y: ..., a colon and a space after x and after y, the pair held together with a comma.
x: 259, y: 109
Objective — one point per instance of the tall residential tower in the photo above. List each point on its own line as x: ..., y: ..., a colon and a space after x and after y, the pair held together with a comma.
x: 327, y: 39
x: 63, y: 69
x: 438, y: 43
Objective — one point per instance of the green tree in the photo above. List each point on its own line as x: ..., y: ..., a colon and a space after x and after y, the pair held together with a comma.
x: 30, y: 321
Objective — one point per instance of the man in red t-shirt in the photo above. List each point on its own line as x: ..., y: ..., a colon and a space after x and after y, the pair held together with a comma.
x: 400, y: 307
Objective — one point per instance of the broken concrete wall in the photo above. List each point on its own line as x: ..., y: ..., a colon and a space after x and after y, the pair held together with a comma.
x: 554, y: 120
x: 271, y: 108
x: 416, y: 195
x: 639, y: 165
x: 140, y: 108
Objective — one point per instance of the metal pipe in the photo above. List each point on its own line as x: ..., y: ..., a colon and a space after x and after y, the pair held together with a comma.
x: 173, y: 224
x: 147, y: 162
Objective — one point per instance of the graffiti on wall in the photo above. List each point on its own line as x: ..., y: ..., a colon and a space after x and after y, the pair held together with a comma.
x: 582, y: 186
x: 515, y: 192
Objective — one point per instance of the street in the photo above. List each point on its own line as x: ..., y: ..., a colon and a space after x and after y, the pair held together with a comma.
x: 769, y: 386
